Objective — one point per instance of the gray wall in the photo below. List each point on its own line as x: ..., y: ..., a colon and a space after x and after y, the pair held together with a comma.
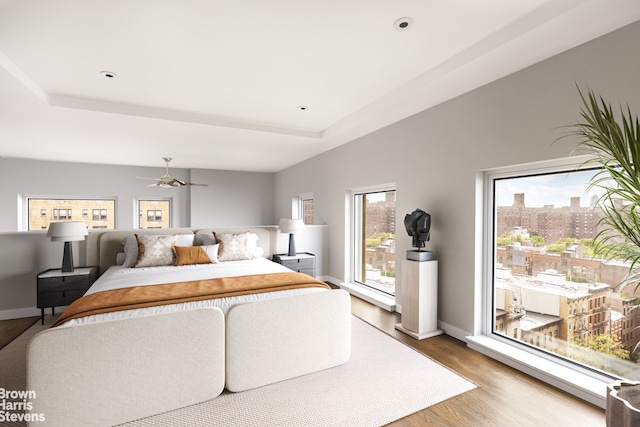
x: 231, y: 199
x: 41, y: 178
x: 434, y: 157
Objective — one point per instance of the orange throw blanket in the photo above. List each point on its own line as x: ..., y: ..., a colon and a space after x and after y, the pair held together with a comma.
x: 174, y: 293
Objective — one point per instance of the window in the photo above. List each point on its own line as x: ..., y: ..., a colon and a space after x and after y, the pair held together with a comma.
x: 155, y: 213
x: 375, y: 239
x: 539, y: 276
x: 305, y: 208
x: 40, y: 211
x: 99, y: 214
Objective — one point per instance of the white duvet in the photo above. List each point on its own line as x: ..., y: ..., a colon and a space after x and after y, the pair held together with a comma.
x: 120, y: 277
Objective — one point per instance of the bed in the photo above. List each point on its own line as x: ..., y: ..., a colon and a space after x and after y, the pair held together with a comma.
x: 112, y: 367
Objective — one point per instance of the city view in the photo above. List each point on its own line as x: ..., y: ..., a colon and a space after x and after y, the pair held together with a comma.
x: 378, y: 245
x: 551, y: 290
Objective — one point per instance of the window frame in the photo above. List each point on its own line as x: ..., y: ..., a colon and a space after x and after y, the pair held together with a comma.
x: 355, y: 232
x: 138, y: 211
x: 301, y: 198
x: 486, y: 287
x: 24, y: 201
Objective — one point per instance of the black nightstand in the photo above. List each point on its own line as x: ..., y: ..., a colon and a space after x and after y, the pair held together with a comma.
x: 56, y: 288
x: 302, y: 262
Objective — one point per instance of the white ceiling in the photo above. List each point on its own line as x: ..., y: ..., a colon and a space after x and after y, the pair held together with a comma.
x: 218, y: 84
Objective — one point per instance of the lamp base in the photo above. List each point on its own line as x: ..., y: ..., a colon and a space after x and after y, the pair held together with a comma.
x: 67, y: 258
x: 292, y: 245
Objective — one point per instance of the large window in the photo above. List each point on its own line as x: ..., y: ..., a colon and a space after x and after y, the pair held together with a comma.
x: 375, y: 239
x: 549, y: 291
x: 43, y: 210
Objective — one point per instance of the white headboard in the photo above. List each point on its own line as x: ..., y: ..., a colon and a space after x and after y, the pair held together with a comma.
x: 103, y: 246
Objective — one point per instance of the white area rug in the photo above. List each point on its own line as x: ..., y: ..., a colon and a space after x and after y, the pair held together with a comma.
x: 383, y: 381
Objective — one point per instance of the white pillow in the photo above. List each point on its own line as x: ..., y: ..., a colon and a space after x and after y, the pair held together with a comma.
x: 212, y: 252
x: 236, y: 247
x: 185, y: 239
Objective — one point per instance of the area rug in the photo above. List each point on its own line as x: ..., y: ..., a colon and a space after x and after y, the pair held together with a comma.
x: 384, y: 380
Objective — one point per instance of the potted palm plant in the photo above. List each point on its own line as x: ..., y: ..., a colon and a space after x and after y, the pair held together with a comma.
x: 614, y: 146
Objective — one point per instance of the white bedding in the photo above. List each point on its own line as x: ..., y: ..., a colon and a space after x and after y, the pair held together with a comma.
x: 120, y: 277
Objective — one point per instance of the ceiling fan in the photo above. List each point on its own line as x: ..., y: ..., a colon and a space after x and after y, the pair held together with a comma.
x: 167, y: 180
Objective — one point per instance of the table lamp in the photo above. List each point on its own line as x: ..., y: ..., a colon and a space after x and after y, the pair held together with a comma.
x: 291, y: 226
x: 67, y: 232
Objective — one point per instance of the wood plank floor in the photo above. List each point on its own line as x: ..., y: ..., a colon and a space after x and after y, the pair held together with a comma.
x: 503, y: 397
x: 11, y: 329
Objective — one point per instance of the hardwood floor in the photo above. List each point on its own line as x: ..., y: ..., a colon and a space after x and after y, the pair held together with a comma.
x: 10, y: 329
x: 503, y: 397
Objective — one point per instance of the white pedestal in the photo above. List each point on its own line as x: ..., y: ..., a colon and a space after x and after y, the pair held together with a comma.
x: 419, y: 299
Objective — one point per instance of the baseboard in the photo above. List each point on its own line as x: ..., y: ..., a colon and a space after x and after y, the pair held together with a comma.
x: 452, y: 331
x: 18, y: 313
x: 376, y: 298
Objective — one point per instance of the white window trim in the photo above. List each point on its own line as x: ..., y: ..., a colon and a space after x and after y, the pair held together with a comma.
x: 583, y: 383
x: 298, y: 205
x: 371, y: 295
x: 23, y: 207
x: 136, y: 208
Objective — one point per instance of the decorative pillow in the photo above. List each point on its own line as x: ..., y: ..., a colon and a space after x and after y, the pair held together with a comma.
x: 258, y: 252
x: 155, y: 250
x: 121, y: 257
x: 212, y: 252
x: 235, y: 247
x: 212, y: 239
x: 185, y: 239
x: 131, y: 247
x: 130, y: 251
x: 189, y: 255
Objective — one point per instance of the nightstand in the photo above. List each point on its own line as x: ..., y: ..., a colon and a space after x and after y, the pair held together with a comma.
x: 302, y: 262
x: 56, y: 288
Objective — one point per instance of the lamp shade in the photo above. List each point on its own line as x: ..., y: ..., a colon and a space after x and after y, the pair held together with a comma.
x: 291, y: 225
x: 67, y: 231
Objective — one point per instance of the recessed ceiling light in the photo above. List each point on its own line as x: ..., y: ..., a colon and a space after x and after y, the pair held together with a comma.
x: 403, y: 24
x: 302, y: 107
x: 108, y: 74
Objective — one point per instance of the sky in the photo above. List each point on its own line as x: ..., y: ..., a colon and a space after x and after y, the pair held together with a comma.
x: 549, y: 189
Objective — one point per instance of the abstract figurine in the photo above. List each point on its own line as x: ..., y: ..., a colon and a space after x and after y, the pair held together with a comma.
x: 417, y: 224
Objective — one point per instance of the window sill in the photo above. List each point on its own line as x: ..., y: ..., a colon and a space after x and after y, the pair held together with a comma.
x: 583, y: 386
x: 379, y: 299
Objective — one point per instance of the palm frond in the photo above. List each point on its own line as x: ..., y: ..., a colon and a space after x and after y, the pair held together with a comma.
x: 614, y: 145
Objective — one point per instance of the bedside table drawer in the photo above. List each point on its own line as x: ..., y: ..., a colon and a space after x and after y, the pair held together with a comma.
x: 64, y: 283
x: 297, y: 264
x: 301, y: 262
x: 310, y: 271
x: 56, y: 298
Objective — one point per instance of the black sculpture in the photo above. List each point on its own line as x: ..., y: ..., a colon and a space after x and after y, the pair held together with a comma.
x: 418, y: 224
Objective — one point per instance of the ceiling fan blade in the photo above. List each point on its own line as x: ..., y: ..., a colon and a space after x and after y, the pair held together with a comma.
x: 167, y: 181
